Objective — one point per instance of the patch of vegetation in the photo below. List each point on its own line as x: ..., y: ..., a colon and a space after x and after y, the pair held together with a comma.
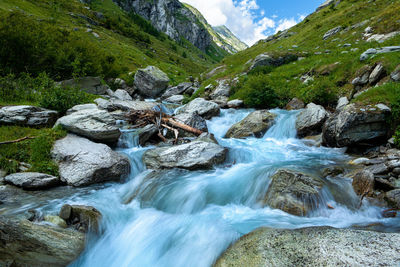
x: 397, y: 138
x: 35, y: 152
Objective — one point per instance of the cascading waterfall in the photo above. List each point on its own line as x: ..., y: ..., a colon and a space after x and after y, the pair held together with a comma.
x: 188, y: 218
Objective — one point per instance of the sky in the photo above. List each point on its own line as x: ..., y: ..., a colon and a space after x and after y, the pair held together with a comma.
x: 252, y: 20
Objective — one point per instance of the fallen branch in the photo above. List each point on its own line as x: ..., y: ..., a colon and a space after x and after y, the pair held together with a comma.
x: 182, y: 126
x: 17, y: 141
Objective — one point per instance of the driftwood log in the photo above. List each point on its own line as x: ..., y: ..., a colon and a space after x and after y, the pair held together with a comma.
x: 141, y: 118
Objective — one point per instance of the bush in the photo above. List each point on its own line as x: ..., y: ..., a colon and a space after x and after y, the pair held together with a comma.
x: 63, y: 98
x: 321, y: 92
x: 397, y: 138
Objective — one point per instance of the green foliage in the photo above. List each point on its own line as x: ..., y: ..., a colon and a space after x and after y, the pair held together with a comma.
x: 261, y: 70
x: 256, y: 92
x: 397, y: 138
x: 34, y: 151
x: 63, y: 98
x: 321, y: 92
x: 29, y: 45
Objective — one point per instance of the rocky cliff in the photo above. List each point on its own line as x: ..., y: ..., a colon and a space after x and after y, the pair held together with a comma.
x: 172, y: 18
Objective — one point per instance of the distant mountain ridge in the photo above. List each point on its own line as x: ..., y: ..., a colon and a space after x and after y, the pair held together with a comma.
x: 230, y: 39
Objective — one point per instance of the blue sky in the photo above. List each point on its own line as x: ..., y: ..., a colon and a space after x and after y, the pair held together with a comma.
x: 252, y: 20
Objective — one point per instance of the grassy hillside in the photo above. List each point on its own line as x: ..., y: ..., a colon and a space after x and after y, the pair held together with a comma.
x: 332, y: 63
x: 69, y: 38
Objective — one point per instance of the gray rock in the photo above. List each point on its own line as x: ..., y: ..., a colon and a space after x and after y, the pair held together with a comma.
x: 368, y: 53
x: 332, y: 32
x: 146, y: 133
x: 342, y: 102
x: 120, y: 83
x: 395, y: 75
x: 122, y: 95
x: 354, y: 124
x: 192, y: 156
x: 27, y: 116
x: 151, y: 81
x: 32, y: 180
x: 204, y: 108
x: 267, y: 60
x: 236, y: 103
x: 82, y: 162
x: 376, y: 74
x: 207, y: 137
x: 222, y: 90
x: 84, y: 218
x: 255, y: 124
x: 293, y: 192
x: 55, y: 220
x: 315, y: 246
x: 295, y: 104
x: 193, y: 120
x: 363, y: 183
x: 116, y: 104
x: 325, y: 4
x: 91, y: 85
x: 311, y: 120
x: 180, y: 89
x: 81, y: 107
x: 175, y: 99
x: 380, y: 38
x: 24, y: 243
x: 97, y: 125
x: 378, y: 168
x: 393, y: 198
x: 383, y: 50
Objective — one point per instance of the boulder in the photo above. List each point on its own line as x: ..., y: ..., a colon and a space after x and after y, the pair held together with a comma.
x: 204, y: 108
x: 311, y: 120
x: 255, y: 124
x: 363, y: 183
x: 376, y: 74
x: 95, y: 124
x: 146, y: 133
x: 192, y: 156
x: 267, y: 60
x: 81, y: 107
x: 116, y: 104
x: 122, y: 95
x: 91, y: 85
x: 332, y: 32
x: 342, y: 102
x: 192, y: 119
x: 372, y: 51
x: 236, y: 103
x: 295, y: 104
x: 354, y: 124
x: 32, y: 180
x: 222, y: 90
x: 151, y: 81
x: 180, y: 89
x: 314, y: 246
x: 393, y: 198
x: 175, y: 99
x: 395, y: 75
x: 83, y: 162
x: 83, y: 218
x: 23, y: 243
x: 29, y: 116
x: 55, y: 220
x: 293, y: 192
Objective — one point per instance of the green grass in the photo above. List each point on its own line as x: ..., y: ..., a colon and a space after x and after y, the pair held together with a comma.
x: 35, y: 152
x: 386, y: 94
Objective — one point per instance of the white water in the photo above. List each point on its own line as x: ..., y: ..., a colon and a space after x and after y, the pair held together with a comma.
x: 182, y: 218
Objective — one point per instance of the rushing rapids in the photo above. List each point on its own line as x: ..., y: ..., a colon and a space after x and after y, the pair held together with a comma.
x: 188, y: 218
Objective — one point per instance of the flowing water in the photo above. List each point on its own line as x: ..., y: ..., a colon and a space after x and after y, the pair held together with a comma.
x: 188, y: 218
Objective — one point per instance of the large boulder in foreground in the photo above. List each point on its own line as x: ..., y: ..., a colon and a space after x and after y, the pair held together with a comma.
x: 23, y: 243
x: 314, y: 246
x: 95, y: 124
x: 310, y: 121
x: 293, y: 192
x: 83, y: 162
x: 151, y: 81
x: 354, y: 124
x: 91, y: 85
x: 32, y: 180
x: 204, y: 108
x: 192, y: 156
x: 27, y: 116
x: 255, y: 124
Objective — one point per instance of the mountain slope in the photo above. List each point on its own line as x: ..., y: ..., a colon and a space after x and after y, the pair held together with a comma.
x: 328, y: 45
x: 221, y: 35
x: 102, y: 30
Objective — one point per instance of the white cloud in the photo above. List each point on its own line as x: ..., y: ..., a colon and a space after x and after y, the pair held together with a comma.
x: 243, y: 17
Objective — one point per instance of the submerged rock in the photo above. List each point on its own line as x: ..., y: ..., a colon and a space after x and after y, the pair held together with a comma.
x: 32, y: 180
x: 192, y: 156
x: 83, y: 218
x: 354, y: 124
x: 29, y: 116
x: 82, y: 162
x: 23, y: 243
x: 151, y: 81
x: 204, y: 108
x: 255, y: 124
x: 293, y: 192
x: 311, y: 120
x: 314, y: 246
x: 95, y: 124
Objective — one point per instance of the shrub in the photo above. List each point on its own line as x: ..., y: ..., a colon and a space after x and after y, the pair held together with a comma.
x: 397, y: 138
x: 321, y: 92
